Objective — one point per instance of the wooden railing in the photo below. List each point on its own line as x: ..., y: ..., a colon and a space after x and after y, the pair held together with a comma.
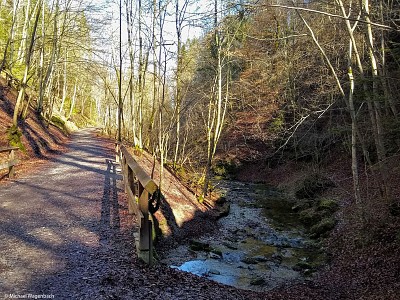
x: 10, y: 162
x: 139, y: 187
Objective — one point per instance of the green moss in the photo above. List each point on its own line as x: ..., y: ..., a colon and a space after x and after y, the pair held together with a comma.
x: 197, y: 245
x: 323, y: 227
x: 216, y: 251
x: 14, y: 137
x: 304, y: 265
x: 225, y: 169
x: 277, y: 123
x: 200, y: 199
x: 310, y: 217
x: 328, y: 205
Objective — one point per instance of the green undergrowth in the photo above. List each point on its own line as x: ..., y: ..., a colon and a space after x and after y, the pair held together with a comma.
x: 192, y: 179
x: 226, y: 169
x: 63, y: 124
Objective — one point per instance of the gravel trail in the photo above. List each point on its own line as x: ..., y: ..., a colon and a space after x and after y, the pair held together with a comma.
x: 56, y: 222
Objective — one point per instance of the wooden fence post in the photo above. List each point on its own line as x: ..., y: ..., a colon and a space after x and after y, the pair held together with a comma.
x: 150, y: 230
x: 145, y: 235
x: 131, y: 185
x: 11, y: 169
x: 117, y: 154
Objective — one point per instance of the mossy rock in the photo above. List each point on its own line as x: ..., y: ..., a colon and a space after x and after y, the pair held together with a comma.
x: 250, y: 260
x: 196, y: 245
x: 221, y: 200
x: 224, y: 210
x: 63, y: 124
x: 323, y: 227
x: 310, y: 217
x: 257, y: 281
x: 303, y: 265
x: 301, y: 205
x: 327, y: 205
x: 216, y: 251
x: 58, y: 120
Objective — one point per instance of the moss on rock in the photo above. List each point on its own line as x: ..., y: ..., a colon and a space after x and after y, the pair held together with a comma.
x: 328, y: 205
x: 310, y: 217
x: 14, y: 137
x: 323, y: 227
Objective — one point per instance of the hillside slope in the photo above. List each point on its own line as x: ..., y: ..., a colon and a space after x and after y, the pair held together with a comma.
x: 39, y: 139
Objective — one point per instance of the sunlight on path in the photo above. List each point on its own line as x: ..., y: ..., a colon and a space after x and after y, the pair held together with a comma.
x: 52, y: 221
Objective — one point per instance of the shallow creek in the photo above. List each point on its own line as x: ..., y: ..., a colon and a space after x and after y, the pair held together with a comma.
x: 259, y: 245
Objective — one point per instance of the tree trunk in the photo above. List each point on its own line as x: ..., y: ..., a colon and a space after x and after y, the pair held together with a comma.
x: 21, y: 94
x: 45, y: 80
x: 10, y: 39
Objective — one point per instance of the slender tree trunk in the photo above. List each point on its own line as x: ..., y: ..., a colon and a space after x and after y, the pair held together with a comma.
x: 45, y: 80
x: 354, y: 159
x: 374, y: 105
x: 120, y: 103
x: 24, y: 37
x: 132, y: 101
x: 140, y: 80
x: 65, y: 87
x: 73, y: 101
x: 21, y: 94
x: 178, y: 80
x: 10, y: 39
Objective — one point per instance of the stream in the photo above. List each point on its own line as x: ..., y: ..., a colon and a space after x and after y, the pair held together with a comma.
x: 260, y: 245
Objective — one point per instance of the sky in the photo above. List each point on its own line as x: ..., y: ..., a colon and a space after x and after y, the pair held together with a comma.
x: 104, y: 19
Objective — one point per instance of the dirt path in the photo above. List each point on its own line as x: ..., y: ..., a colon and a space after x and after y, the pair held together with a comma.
x: 54, y: 221
x: 65, y: 233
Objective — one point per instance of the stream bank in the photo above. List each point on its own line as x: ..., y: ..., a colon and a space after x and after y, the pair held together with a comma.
x: 259, y: 245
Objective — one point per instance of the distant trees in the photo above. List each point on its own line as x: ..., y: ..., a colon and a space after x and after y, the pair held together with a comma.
x: 46, y: 48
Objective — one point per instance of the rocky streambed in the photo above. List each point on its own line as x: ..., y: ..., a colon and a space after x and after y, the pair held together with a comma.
x: 260, y: 244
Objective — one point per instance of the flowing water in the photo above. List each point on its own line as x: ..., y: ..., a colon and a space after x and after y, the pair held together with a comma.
x: 259, y: 245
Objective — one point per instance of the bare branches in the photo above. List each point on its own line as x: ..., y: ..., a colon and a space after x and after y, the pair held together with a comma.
x: 298, y: 8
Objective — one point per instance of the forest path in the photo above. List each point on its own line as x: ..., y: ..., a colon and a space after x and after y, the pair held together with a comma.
x: 56, y: 223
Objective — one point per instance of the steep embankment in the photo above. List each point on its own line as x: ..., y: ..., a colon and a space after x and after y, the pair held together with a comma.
x: 39, y: 139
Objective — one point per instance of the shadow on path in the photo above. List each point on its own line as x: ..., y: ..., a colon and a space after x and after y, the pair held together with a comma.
x: 109, y: 203
x: 59, y: 226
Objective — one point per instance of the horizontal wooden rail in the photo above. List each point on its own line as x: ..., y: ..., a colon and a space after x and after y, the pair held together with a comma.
x: 11, y: 162
x: 138, y: 187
